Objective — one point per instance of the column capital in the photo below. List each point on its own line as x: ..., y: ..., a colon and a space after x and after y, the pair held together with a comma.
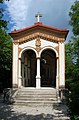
x: 19, y: 58
x: 38, y: 58
x: 57, y: 57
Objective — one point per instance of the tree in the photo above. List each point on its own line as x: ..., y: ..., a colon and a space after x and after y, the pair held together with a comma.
x: 72, y: 62
x: 69, y: 60
x: 72, y: 76
x: 74, y: 17
x: 5, y: 50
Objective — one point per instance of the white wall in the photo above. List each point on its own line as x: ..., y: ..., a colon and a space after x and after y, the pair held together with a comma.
x: 44, y: 43
x: 48, y: 43
x: 27, y: 44
x: 33, y: 42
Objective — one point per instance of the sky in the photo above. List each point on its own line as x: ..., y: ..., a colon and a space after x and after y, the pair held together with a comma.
x: 21, y: 13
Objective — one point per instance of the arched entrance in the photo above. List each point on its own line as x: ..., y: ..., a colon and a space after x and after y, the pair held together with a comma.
x: 48, y: 68
x: 28, y: 68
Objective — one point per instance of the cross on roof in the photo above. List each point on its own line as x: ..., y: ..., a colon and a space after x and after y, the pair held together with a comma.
x: 38, y: 15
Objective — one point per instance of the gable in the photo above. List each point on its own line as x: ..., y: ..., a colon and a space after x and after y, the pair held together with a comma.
x: 39, y: 31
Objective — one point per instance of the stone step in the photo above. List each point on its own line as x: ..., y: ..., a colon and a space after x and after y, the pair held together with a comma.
x: 35, y: 103
x: 35, y: 97
x: 36, y: 92
x: 61, y: 118
x: 33, y: 93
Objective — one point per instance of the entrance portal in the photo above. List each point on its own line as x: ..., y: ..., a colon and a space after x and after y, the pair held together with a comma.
x: 28, y: 68
x: 48, y: 68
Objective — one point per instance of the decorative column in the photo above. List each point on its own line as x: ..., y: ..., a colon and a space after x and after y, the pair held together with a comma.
x: 22, y: 73
x: 22, y: 68
x: 38, y: 78
x: 57, y: 76
x: 62, y: 65
x: 15, y: 65
x: 26, y: 73
x: 20, y: 77
x: 57, y: 80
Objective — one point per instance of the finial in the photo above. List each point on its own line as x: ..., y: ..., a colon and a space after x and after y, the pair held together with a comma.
x: 38, y: 15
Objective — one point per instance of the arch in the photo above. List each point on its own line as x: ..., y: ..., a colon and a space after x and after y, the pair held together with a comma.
x: 48, y: 47
x: 28, y: 68
x: 48, y: 68
x: 28, y: 48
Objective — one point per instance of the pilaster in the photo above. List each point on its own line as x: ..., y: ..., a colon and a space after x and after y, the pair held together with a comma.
x: 61, y: 65
x: 19, y: 74
x: 38, y: 77
x: 57, y: 75
x: 15, y: 65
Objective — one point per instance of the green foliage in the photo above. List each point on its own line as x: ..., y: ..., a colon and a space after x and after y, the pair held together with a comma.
x: 72, y: 59
x: 1, y: 1
x: 72, y: 76
x: 72, y: 63
x: 74, y: 15
x: 69, y: 60
x: 3, y: 23
x: 5, y: 43
x: 5, y: 51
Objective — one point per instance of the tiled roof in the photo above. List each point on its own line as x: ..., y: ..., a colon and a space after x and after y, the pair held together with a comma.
x: 40, y: 25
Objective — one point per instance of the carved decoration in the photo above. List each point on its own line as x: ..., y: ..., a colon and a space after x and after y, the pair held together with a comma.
x: 57, y: 49
x: 15, y: 42
x: 45, y: 36
x: 19, y: 50
x: 38, y: 45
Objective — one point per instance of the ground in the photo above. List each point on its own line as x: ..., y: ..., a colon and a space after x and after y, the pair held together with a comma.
x: 18, y: 112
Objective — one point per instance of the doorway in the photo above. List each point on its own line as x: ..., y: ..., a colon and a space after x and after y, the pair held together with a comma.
x: 48, y: 68
x: 28, y: 68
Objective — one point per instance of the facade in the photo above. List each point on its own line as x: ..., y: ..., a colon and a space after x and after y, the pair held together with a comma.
x: 39, y: 56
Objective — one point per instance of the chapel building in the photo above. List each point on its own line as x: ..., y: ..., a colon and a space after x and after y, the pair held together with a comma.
x: 39, y: 57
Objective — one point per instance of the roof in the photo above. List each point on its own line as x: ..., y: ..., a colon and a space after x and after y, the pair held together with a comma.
x: 39, y: 27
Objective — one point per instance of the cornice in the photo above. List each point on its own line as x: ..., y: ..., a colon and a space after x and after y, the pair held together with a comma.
x: 40, y: 35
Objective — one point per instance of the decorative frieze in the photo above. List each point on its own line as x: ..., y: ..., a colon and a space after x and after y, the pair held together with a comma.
x: 45, y: 36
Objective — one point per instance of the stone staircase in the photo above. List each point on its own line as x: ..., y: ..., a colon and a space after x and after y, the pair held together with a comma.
x: 42, y: 103
x: 36, y: 97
